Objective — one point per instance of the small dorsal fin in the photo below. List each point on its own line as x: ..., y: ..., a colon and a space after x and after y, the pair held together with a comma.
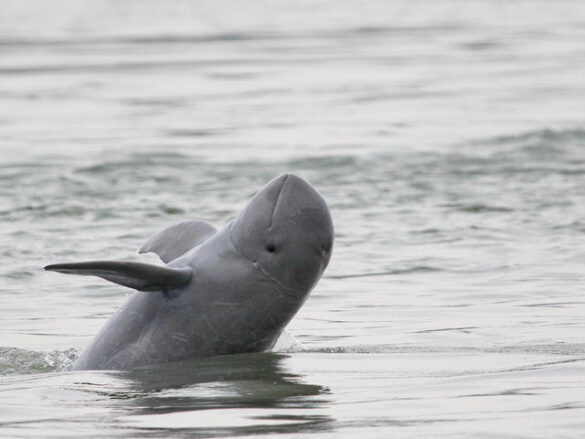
x: 137, y: 275
x: 177, y: 240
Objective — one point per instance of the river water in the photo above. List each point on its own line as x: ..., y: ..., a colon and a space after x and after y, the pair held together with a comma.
x: 448, y: 138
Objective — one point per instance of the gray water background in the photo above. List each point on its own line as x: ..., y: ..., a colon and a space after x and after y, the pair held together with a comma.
x: 448, y: 138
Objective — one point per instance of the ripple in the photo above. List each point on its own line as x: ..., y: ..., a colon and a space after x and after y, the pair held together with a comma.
x: 477, y: 208
x: 411, y: 270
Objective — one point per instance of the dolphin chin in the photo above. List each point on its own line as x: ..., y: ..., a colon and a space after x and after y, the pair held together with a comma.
x: 220, y: 292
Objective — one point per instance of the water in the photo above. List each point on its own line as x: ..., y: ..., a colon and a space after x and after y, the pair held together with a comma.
x: 448, y: 138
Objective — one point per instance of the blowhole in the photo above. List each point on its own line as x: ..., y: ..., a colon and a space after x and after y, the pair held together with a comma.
x: 271, y: 247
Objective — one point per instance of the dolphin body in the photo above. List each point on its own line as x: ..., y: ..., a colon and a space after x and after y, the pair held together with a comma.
x: 221, y: 292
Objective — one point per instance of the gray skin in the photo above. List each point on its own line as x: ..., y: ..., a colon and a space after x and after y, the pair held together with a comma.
x: 233, y: 292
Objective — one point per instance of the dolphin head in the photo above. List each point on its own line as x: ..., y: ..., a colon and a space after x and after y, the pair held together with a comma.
x: 286, y: 231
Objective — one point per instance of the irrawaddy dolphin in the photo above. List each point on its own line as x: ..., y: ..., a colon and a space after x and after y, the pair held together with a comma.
x: 220, y: 292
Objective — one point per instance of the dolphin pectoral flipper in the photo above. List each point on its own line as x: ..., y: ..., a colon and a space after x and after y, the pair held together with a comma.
x: 137, y: 275
x: 178, y: 239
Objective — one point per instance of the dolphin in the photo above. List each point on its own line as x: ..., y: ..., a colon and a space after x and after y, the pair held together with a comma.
x: 220, y: 292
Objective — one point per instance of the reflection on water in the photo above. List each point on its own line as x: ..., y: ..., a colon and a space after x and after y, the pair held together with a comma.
x: 232, y: 395
x: 252, y: 380
x: 255, y: 392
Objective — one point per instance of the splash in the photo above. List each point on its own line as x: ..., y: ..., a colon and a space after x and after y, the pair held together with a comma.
x: 22, y: 361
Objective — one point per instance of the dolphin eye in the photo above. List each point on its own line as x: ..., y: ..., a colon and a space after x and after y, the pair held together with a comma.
x: 270, y: 247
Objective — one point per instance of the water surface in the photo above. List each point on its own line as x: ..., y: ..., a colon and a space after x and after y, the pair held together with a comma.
x: 448, y: 138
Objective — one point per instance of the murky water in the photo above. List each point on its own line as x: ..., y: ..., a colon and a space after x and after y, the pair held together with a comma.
x: 448, y: 138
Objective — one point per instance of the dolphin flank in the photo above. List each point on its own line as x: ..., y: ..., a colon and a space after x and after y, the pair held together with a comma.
x: 219, y: 292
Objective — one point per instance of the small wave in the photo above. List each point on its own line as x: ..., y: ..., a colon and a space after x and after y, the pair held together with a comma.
x: 108, y: 66
x: 404, y: 29
x: 417, y: 269
x: 163, y: 38
x: 477, y: 208
x: 137, y: 161
x: 323, y: 162
x: 189, y: 133
x: 22, y: 361
x: 547, y: 147
x: 560, y: 349
x: 546, y: 134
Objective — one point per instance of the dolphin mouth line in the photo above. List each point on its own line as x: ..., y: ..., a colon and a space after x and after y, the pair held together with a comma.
x: 287, y: 291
